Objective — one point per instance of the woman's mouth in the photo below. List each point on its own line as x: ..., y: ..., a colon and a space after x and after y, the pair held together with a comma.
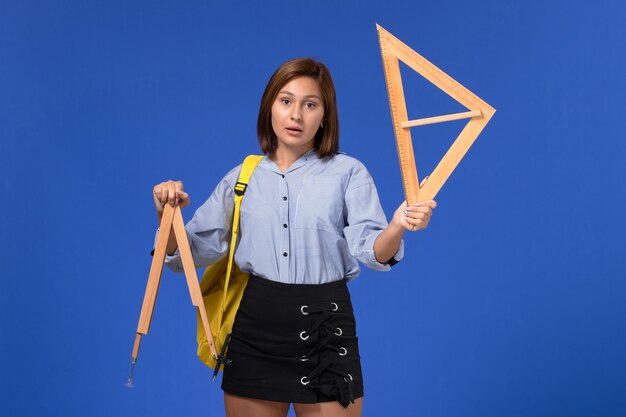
x: 293, y: 129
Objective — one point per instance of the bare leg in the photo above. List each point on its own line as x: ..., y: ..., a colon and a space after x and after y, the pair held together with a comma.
x: 329, y: 409
x: 247, y: 407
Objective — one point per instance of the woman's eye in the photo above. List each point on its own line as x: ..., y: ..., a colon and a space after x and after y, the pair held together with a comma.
x: 310, y: 105
x: 284, y: 100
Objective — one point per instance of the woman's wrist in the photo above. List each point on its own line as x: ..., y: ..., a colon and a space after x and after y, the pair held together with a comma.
x: 396, y: 227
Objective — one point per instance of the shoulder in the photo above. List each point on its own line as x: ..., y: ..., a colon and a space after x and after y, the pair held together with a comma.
x: 231, y: 176
x: 354, y: 171
x: 344, y: 163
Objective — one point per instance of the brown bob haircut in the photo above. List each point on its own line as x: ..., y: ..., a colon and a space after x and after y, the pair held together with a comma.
x: 327, y: 138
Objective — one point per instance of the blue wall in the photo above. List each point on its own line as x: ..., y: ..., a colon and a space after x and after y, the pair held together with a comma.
x: 511, y: 303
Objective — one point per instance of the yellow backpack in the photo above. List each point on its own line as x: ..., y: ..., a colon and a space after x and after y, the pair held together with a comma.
x: 223, y: 283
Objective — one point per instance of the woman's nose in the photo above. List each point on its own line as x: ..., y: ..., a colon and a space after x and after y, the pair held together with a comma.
x: 295, y: 114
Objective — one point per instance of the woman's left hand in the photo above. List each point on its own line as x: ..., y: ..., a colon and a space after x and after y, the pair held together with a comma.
x: 414, y: 217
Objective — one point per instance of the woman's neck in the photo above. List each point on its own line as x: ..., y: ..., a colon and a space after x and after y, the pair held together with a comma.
x: 285, y: 157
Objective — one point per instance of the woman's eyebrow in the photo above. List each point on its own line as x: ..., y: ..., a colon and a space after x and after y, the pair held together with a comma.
x: 289, y: 93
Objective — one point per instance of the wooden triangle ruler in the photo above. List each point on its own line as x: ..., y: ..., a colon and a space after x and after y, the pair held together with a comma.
x: 393, y: 50
x: 172, y: 218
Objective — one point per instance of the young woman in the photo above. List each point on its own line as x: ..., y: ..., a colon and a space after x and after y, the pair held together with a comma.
x: 309, y: 215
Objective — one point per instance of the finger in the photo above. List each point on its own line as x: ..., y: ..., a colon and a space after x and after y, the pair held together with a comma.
x: 428, y: 203
x: 410, y: 224
x: 419, y: 213
x: 422, y: 216
x: 411, y: 208
x: 421, y: 223
x: 425, y: 203
x: 410, y: 216
x: 164, y: 193
x: 423, y: 213
x: 171, y: 193
x: 184, y: 200
x: 420, y: 209
x: 158, y: 195
x: 178, y: 186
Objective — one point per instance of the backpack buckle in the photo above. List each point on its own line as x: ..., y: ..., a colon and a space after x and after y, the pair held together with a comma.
x: 240, y: 188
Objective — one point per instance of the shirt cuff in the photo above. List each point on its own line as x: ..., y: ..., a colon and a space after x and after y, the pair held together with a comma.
x: 374, y: 264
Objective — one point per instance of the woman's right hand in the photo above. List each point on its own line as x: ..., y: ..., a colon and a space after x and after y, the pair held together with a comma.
x: 169, y: 192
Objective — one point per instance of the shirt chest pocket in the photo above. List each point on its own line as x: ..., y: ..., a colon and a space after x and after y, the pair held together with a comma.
x: 320, y: 205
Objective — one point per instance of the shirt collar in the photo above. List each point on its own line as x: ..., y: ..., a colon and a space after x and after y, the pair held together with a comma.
x: 307, y: 157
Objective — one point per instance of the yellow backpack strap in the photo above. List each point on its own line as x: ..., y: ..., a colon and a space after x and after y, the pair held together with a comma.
x: 249, y: 165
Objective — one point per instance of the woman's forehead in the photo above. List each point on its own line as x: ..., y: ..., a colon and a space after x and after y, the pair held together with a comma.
x: 302, y: 86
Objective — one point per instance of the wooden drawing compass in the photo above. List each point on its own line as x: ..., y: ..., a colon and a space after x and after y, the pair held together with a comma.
x: 393, y: 50
x: 172, y: 218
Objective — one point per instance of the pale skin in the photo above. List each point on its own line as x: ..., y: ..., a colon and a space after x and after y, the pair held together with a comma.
x: 297, y: 114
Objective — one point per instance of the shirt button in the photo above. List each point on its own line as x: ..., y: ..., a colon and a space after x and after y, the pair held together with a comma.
x: 284, y: 253
x: 285, y: 225
x: 282, y: 175
x: 284, y: 198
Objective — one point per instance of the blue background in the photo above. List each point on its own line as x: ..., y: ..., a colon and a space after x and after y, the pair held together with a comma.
x: 511, y: 303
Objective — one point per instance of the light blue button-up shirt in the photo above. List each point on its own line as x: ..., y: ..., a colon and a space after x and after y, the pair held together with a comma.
x: 308, y: 225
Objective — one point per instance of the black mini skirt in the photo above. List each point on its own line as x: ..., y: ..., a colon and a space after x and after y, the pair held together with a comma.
x: 294, y: 343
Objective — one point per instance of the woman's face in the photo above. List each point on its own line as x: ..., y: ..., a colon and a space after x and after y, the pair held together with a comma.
x: 297, y: 113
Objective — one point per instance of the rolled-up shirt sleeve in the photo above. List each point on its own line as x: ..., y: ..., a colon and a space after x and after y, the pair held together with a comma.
x: 209, y: 229
x: 365, y: 220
